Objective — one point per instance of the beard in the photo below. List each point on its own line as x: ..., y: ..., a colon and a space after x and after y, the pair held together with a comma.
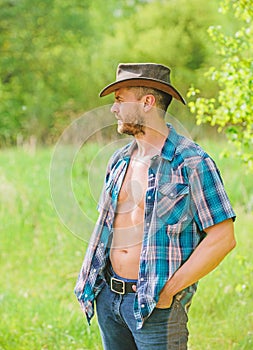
x: 133, y: 124
x: 131, y: 129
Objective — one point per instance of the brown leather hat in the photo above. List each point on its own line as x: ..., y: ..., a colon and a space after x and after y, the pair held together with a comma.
x: 151, y: 75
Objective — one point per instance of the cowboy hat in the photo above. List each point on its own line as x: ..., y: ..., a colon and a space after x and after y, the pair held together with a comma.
x: 151, y: 75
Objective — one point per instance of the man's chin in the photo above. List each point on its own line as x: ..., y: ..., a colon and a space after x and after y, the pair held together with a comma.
x: 120, y: 128
x: 124, y: 128
x: 130, y: 129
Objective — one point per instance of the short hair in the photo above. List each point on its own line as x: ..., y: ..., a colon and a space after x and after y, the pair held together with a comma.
x: 163, y: 99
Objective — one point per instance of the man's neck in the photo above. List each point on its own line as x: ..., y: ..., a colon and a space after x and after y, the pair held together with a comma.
x: 151, y: 143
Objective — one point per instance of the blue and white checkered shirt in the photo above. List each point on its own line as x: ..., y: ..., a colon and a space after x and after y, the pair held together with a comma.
x: 185, y: 195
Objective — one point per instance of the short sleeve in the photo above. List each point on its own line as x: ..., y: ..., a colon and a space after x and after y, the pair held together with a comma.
x: 210, y: 203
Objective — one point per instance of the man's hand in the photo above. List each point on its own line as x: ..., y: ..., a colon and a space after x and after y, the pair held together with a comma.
x: 165, y: 300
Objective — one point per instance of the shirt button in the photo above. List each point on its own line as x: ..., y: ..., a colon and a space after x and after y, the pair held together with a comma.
x: 142, y: 306
x: 147, y: 223
x: 142, y: 279
x: 102, y: 244
x: 171, y: 194
x: 149, y: 197
x: 86, y: 295
x: 94, y: 270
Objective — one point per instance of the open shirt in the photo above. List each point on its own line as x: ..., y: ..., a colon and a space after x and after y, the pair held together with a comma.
x: 185, y: 195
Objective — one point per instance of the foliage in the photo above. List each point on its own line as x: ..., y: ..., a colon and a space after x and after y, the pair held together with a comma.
x: 45, y: 61
x: 55, y: 55
x: 232, y: 109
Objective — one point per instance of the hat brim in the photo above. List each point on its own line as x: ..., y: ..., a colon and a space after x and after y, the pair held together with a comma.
x: 146, y: 82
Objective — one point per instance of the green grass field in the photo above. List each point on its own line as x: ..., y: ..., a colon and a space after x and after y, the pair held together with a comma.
x: 40, y: 260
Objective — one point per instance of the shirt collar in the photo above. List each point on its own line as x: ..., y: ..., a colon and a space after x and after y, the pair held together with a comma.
x: 128, y: 149
x: 170, y: 144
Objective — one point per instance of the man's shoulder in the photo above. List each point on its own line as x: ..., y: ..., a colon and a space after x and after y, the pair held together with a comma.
x: 191, y: 156
x: 182, y: 148
x: 187, y: 148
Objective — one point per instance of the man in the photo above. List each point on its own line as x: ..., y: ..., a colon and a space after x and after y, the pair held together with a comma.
x: 165, y: 221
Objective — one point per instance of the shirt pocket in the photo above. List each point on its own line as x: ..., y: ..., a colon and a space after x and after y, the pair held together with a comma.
x: 173, y: 202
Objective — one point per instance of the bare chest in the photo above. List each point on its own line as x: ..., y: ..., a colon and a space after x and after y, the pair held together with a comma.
x: 134, y: 186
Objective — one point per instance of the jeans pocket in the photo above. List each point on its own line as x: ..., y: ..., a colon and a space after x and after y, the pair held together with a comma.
x: 179, y: 312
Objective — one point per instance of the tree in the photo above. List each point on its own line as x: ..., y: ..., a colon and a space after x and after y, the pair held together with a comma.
x: 232, y: 110
x: 55, y: 55
x: 46, y: 50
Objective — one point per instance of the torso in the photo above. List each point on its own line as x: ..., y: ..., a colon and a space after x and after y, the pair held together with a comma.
x: 129, y: 220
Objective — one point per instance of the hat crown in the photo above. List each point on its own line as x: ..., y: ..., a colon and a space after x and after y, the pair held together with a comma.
x: 150, y: 75
x: 143, y: 71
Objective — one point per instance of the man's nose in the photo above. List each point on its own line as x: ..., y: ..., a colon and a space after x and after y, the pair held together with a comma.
x: 115, y: 107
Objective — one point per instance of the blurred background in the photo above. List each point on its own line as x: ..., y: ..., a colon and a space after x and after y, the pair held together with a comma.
x: 57, y: 55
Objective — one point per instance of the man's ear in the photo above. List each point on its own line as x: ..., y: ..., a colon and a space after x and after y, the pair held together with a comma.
x: 149, y: 102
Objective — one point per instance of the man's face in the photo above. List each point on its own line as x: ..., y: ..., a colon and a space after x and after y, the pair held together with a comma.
x: 128, y: 111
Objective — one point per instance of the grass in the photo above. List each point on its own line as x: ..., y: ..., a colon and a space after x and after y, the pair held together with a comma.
x: 40, y: 259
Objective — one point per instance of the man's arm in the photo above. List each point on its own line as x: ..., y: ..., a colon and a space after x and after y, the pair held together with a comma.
x: 220, y: 240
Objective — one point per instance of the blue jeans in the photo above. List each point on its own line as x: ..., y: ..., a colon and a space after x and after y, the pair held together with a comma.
x: 165, y: 329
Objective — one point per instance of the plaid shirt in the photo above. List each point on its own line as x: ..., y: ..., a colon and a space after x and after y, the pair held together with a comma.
x: 185, y: 195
